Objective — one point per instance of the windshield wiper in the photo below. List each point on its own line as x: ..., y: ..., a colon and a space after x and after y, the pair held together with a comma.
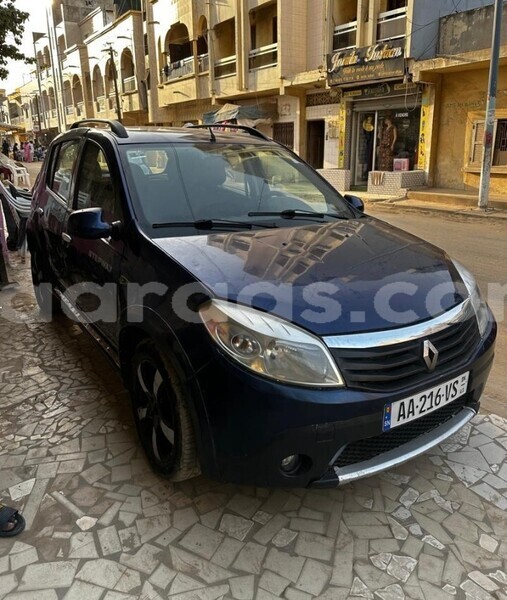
x: 291, y: 213
x: 212, y: 223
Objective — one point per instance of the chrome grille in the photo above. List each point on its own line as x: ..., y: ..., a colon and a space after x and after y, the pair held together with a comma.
x: 397, y: 366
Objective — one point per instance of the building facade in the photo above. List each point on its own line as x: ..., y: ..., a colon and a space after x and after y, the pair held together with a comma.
x: 355, y: 87
x: 458, y: 74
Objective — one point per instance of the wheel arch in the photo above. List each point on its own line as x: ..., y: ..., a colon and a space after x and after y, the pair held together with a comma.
x: 153, y: 328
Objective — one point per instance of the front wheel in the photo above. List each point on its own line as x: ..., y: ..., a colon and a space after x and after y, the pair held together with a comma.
x: 161, y: 414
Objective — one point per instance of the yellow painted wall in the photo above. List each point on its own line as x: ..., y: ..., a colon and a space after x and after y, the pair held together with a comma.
x: 462, y: 95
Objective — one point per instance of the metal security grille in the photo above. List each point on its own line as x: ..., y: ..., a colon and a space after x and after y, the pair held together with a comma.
x: 284, y: 133
x: 323, y: 98
x: 501, y: 136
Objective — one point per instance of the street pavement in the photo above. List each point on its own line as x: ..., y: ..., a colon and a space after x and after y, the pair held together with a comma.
x: 102, y: 526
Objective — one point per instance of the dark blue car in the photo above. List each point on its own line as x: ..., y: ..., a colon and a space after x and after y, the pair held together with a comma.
x: 268, y: 331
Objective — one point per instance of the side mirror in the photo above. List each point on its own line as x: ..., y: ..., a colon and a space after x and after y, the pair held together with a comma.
x: 88, y: 224
x: 355, y: 201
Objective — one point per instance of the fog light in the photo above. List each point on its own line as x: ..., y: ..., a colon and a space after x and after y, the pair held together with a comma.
x: 290, y: 463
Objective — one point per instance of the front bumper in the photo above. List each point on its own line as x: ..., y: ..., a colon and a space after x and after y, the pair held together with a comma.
x: 255, y: 423
x: 398, y: 456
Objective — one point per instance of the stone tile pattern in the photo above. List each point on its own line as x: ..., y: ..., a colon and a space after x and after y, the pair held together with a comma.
x: 102, y: 525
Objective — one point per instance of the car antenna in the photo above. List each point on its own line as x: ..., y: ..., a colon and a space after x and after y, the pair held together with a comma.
x: 212, y: 135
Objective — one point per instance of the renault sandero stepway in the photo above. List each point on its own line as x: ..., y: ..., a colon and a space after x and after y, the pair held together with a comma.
x: 268, y: 331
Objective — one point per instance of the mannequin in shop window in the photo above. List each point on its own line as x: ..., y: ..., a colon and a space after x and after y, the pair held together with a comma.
x: 387, y: 141
x: 369, y: 138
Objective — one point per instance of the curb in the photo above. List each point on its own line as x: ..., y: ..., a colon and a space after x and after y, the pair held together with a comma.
x: 495, y: 214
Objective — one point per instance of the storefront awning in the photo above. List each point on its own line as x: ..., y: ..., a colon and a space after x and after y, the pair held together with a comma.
x: 10, y: 127
x: 245, y: 115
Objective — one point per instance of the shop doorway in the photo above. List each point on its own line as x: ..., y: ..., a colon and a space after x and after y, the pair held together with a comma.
x: 386, y: 140
x: 315, y: 137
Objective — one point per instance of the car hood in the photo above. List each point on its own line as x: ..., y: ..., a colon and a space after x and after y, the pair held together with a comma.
x: 330, y: 278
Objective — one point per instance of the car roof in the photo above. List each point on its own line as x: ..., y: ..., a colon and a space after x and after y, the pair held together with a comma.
x: 154, y: 134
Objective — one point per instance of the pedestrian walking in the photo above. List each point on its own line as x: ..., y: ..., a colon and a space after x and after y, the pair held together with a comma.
x: 5, y: 147
x: 27, y: 152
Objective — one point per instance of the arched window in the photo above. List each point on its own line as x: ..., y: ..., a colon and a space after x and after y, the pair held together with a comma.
x: 52, y: 101
x: 61, y: 44
x: 225, y: 48
x: 128, y: 77
x: 68, y: 103
x: 45, y: 101
x: 178, y: 49
x: 110, y: 77
x: 47, y: 57
x: 77, y: 91
x: 202, y: 45
x: 98, y: 89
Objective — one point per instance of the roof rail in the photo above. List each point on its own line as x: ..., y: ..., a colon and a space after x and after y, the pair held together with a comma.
x: 250, y: 130
x: 116, y: 127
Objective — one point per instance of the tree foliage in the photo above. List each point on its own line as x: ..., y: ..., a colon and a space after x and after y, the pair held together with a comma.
x: 12, y: 27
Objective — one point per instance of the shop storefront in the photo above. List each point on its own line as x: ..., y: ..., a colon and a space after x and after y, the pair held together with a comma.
x: 385, y: 128
x: 383, y: 124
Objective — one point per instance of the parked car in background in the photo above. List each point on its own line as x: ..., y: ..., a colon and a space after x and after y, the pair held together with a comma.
x: 268, y: 331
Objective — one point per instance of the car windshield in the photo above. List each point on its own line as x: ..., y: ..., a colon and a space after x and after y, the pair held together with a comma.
x: 182, y: 182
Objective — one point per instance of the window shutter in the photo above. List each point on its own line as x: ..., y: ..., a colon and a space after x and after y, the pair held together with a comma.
x: 477, y: 147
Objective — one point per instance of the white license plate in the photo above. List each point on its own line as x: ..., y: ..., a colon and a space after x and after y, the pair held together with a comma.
x: 409, y: 409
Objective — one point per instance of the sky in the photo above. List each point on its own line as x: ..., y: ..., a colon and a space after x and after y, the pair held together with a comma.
x: 36, y: 22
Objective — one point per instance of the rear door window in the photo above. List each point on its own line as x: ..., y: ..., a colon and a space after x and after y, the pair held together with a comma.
x: 63, y: 168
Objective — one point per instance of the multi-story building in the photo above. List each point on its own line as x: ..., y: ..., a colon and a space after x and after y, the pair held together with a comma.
x: 458, y: 73
x: 353, y: 86
x: 387, y: 109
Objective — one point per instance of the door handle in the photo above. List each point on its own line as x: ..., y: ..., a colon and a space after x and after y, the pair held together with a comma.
x: 39, y: 211
x: 66, y: 238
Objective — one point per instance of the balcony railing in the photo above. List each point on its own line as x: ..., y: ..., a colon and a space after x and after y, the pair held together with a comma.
x: 130, y: 84
x: 345, y: 36
x: 203, y: 63
x: 266, y: 56
x: 225, y: 67
x: 392, y: 25
x: 69, y: 110
x: 16, y: 120
x: 100, y: 103
x: 177, y: 69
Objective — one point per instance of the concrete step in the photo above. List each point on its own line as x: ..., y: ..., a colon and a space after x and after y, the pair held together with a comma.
x: 454, y: 198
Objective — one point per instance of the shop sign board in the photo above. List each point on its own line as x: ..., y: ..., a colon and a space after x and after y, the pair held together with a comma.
x: 379, y: 90
x: 380, y: 61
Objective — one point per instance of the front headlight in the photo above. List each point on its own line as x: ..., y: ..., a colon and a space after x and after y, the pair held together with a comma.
x: 269, y: 345
x: 478, y: 303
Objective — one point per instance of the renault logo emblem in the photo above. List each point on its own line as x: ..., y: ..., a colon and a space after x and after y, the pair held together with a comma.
x: 430, y: 355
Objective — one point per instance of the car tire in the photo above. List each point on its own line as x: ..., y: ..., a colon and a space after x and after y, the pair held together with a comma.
x: 43, y: 286
x: 160, y: 405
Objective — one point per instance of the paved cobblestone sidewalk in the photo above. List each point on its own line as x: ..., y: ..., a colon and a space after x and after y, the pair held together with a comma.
x: 102, y: 526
